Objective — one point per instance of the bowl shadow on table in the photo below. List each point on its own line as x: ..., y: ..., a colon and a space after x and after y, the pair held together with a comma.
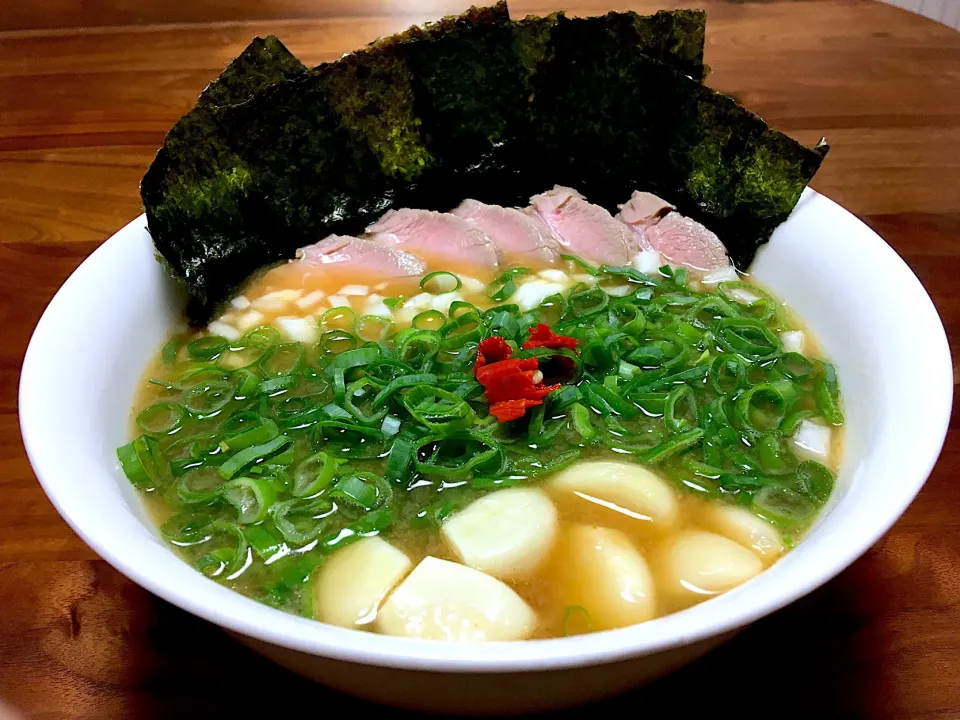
x: 797, y: 663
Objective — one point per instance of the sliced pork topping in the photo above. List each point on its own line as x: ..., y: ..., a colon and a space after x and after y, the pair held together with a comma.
x: 642, y: 211
x: 522, y: 239
x: 360, y: 259
x: 682, y: 241
x: 678, y: 239
x: 444, y: 241
x: 583, y: 229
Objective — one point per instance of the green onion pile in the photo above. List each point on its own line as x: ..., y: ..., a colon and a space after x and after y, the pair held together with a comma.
x: 268, y: 455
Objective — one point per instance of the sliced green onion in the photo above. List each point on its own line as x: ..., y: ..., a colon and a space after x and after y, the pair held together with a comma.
x: 418, y: 347
x: 678, y: 443
x: 261, y: 337
x: 827, y: 397
x: 338, y: 318
x: 439, y: 410
x: 227, y: 552
x: 404, y: 381
x: 374, y: 327
x: 400, y: 460
x: 359, y: 400
x: 783, y: 506
x: 440, y: 282
x: 429, y: 320
x: 677, y: 401
x: 337, y: 342
x: 252, y: 498
x: 200, y: 485
x: 576, y: 621
x: 301, y: 521
x: 252, y: 434
x: 728, y: 372
x: 187, y: 528
x: 276, y: 385
x: 208, y: 398
x: 314, y: 474
x: 138, y: 462
x: 749, y: 338
x: 282, y: 359
x: 247, y: 457
x: 817, y: 481
x: 760, y: 408
x: 207, y: 348
x: 161, y: 418
x: 356, y: 490
x: 586, y: 267
x: 264, y: 543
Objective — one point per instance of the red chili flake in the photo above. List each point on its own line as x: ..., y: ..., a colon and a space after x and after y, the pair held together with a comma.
x: 512, y: 409
x: 513, y: 380
x: 509, y: 383
x: 493, y: 349
x: 543, y: 336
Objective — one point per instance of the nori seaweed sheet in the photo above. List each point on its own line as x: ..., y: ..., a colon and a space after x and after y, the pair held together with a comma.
x: 275, y: 157
x: 203, y: 225
x: 613, y: 120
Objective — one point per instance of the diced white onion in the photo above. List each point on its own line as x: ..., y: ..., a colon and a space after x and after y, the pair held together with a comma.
x: 226, y: 330
x: 724, y: 274
x: 793, y: 341
x: 812, y: 441
x: 310, y: 299
x: 744, y: 296
x: 472, y: 285
x: 442, y: 301
x: 376, y: 307
x: 647, y: 261
x: 553, y: 275
x: 354, y: 290
x: 249, y: 319
x: 298, y: 328
x: 338, y: 301
x: 619, y: 290
x: 530, y: 294
x: 276, y: 300
x: 240, y: 302
x: 419, y: 303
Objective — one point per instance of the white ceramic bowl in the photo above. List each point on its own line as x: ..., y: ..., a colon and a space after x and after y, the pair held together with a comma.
x: 864, y: 304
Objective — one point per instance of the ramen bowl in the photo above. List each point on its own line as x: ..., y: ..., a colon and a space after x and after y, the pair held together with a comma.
x: 868, y: 311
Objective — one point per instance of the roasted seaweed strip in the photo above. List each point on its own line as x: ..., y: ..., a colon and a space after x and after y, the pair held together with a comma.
x: 613, y: 120
x: 195, y: 192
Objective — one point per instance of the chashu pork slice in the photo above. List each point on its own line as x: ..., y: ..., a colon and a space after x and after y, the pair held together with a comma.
x: 522, y: 239
x: 679, y: 239
x: 360, y: 260
x: 585, y: 230
x: 444, y: 241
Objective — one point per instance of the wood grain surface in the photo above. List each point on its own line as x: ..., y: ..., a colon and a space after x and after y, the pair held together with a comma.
x: 88, y: 89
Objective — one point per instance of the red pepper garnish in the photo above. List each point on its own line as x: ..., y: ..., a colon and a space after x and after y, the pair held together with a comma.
x: 543, y: 336
x: 512, y: 409
x: 509, y: 383
x: 492, y: 350
x: 513, y: 380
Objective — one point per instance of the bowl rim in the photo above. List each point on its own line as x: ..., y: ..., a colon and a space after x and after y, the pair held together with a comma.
x: 720, y: 615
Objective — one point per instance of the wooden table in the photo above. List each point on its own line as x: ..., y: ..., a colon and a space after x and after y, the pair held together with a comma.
x: 82, y: 111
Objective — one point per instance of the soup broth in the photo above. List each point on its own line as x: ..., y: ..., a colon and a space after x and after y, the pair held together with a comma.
x: 285, y: 433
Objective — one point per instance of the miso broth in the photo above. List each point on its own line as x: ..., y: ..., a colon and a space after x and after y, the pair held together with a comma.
x: 264, y: 450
